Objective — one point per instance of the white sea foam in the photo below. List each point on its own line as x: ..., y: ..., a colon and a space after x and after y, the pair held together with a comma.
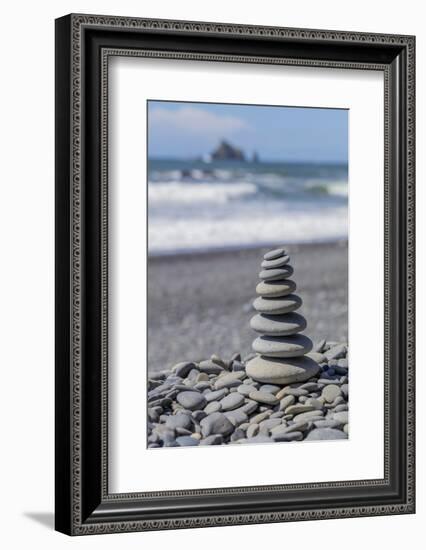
x: 197, y: 208
x: 247, y: 229
x: 193, y: 193
x: 339, y: 189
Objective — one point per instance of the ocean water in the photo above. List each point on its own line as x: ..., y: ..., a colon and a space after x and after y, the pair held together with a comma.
x: 196, y: 206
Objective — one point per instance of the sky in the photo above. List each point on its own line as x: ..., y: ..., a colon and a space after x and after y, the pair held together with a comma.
x: 187, y: 130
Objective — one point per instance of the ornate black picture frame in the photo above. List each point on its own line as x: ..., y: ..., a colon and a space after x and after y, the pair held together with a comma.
x: 83, y: 45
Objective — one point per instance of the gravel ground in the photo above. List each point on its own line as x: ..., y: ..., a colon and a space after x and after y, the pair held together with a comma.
x: 215, y: 402
x: 201, y: 304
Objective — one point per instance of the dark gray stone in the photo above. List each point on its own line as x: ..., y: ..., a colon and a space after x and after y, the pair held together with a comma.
x: 249, y: 407
x: 216, y: 423
x: 236, y: 417
x: 213, y: 406
x: 232, y: 401
x: 278, y: 273
x: 273, y: 254
x: 184, y: 368
x: 268, y: 424
x: 198, y: 415
x: 182, y: 431
x: 263, y: 397
x: 336, y: 352
x: 270, y: 388
x: 238, y: 434
x: 187, y: 441
x: 210, y: 367
x: 287, y: 437
x: 277, y: 325
x: 237, y: 366
x: 276, y: 262
x: 218, y: 360
x: 276, y: 306
x: 216, y: 395
x: 319, y: 346
x: 191, y: 400
x: 215, y: 439
x: 328, y: 423
x: 229, y: 380
x: 179, y: 421
x: 320, y: 434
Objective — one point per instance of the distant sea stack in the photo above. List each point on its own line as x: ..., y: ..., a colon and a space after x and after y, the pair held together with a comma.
x: 280, y: 348
x: 226, y: 151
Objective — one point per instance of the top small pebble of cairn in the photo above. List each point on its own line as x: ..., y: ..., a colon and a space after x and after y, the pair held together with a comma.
x: 280, y: 348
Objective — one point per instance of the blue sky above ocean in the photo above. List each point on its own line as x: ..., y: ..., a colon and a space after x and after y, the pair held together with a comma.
x: 295, y: 134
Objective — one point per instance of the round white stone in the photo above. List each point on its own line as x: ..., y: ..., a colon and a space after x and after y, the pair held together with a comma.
x: 282, y: 346
x: 274, y: 289
x: 278, y: 325
x: 278, y: 262
x: 277, y: 306
x: 276, y: 274
x: 281, y: 371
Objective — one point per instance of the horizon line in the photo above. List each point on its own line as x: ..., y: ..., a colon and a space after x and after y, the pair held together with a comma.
x: 261, y: 160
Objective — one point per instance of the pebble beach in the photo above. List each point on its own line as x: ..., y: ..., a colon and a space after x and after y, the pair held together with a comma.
x: 288, y: 387
x: 215, y: 402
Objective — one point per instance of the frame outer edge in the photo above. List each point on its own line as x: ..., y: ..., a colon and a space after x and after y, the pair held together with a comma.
x: 63, y: 491
x: 77, y: 23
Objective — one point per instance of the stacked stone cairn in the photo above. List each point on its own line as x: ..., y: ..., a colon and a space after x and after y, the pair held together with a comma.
x: 285, y: 393
x: 280, y: 348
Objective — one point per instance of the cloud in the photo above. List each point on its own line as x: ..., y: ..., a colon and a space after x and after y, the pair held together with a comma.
x: 195, y: 121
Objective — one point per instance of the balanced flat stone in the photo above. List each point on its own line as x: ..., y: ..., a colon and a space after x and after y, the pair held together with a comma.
x: 272, y: 254
x: 274, y: 289
x: 282, y: 346
x: 278, y: 273
x: 277, y: 306
x: 278, y: 371
x: 278, y: 325
x: 278, y: 262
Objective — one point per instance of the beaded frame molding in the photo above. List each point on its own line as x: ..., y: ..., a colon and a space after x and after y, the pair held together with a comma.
x: 84, y: 44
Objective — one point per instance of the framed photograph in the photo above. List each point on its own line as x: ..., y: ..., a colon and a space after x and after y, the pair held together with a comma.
x: 234, y: 274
